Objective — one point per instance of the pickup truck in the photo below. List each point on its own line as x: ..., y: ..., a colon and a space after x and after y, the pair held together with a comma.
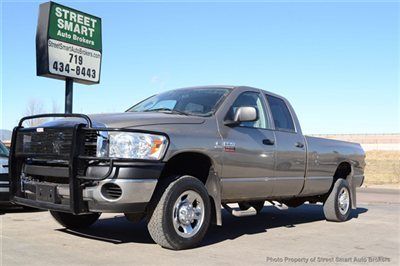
x: 175, y: 158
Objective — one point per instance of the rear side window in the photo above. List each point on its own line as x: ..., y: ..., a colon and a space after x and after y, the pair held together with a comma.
x: 280, y: 113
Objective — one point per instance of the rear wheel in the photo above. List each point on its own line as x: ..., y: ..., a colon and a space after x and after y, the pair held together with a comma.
x: 182, y: 216
x: 257, y: 205
x: 72, y: 221
x: 337, y: 206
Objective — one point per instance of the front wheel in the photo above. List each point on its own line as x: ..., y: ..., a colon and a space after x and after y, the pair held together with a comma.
x: 73, y: 221
x: 337, y: 206
x: 182, y: 216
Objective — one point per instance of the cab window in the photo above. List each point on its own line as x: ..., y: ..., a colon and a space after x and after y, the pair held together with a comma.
x: 250, y: 99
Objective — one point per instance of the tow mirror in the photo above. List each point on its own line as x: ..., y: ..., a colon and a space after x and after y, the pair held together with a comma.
x: 244, y: 114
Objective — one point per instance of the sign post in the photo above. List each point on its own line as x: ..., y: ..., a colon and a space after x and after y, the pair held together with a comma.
x: 68, y: 47
x: 69, y: 90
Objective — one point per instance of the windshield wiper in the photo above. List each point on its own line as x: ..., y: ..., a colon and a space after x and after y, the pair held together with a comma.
x: 166, y: 109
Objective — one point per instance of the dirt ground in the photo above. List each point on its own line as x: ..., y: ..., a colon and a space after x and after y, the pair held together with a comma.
x: 383, y: 167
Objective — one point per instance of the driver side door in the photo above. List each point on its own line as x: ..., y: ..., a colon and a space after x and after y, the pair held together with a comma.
x: 248, y: 152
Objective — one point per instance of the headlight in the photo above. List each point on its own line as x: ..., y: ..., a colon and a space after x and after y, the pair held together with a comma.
x: 131, y: 145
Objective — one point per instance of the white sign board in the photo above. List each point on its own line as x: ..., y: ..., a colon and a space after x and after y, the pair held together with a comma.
x: 73, y: 61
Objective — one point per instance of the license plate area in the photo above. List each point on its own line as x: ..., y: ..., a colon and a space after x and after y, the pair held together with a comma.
x: 46, y: 193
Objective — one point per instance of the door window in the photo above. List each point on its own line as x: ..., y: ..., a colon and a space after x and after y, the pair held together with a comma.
x: 250, y: 99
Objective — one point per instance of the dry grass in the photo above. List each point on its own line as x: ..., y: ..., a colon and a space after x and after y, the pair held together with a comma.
x: 383, y: 167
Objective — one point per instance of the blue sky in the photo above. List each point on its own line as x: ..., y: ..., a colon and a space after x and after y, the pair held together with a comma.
x: 337, y: 62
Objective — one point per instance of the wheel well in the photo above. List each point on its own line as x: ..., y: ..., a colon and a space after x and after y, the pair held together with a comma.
x: 343, y: 170
x: 188, y: 163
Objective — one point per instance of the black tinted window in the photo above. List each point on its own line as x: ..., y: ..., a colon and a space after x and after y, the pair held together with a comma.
x: 280, y: 113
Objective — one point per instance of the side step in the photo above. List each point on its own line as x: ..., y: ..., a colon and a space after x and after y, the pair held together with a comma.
x: 239, y: 213
x: 279, y: 205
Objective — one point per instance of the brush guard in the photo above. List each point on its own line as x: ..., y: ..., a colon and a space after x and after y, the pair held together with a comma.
x: 75, y: 159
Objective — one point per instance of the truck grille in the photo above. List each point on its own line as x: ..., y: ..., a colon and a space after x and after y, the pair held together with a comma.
x: 53, y: 142
x: 45, y: 141
x: 90, y: 143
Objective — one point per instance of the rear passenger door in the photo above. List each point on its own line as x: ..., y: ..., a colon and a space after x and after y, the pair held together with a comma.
x: 290, y: 149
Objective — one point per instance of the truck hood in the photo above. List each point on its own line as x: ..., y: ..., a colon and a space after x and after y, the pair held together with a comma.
x: 130, y: 119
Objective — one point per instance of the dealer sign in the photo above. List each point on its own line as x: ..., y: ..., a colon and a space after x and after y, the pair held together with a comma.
x: 68, y: 44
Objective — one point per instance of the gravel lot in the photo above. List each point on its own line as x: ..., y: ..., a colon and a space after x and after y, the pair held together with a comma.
x: 298, y: 236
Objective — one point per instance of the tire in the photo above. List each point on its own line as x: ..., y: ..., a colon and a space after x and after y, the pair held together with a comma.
x: 257, y: 205
x: 293, y: 203
x: 175, y: 212
x: 337, y: 206
x: 71, y: 221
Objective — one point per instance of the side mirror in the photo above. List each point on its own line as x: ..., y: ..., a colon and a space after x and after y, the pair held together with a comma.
x: 243, y: 114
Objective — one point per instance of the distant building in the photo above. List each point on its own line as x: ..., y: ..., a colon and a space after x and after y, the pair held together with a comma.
x: 388, y: 142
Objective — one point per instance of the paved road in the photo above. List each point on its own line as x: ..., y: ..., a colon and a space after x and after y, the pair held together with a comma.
x: 299, y: 235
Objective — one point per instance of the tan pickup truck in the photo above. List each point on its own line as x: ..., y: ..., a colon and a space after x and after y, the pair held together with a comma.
x: 175, y: 158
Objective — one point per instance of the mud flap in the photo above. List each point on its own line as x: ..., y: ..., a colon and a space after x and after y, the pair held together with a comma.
x: 353, y: 194
x: 213, y: 186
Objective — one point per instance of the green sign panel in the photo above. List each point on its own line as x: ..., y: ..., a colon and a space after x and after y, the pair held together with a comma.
x: 72, y: 26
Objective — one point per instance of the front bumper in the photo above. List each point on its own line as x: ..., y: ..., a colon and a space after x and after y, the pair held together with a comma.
x: 136, y: 193
x: 134, y: 186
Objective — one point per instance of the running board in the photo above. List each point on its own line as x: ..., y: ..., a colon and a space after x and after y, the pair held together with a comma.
x: 239, y: 213
x: 279, y: 205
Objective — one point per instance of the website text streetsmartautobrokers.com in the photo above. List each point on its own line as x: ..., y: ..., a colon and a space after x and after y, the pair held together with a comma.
x: 317, y: 259
x: 70, y: 48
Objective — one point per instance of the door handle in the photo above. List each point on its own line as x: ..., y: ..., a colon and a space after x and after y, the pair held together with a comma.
x: 299, y: 145
x: 268, y: 142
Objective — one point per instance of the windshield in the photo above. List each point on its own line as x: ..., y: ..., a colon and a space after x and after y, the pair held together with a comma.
x: 201, y: 102
x: 3, y: 150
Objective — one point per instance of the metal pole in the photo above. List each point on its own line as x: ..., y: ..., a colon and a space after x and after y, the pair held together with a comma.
x: 69, y: 86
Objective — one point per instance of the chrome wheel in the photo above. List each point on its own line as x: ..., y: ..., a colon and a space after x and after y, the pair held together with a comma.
x: 188, y: 214
x: 344, y: 200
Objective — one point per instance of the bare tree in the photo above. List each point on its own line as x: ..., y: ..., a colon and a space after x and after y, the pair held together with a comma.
x: 34, y: 107
x: 55, y: 108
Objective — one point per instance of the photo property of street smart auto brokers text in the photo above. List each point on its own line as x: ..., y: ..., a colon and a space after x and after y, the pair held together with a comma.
x: 227, y: 132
